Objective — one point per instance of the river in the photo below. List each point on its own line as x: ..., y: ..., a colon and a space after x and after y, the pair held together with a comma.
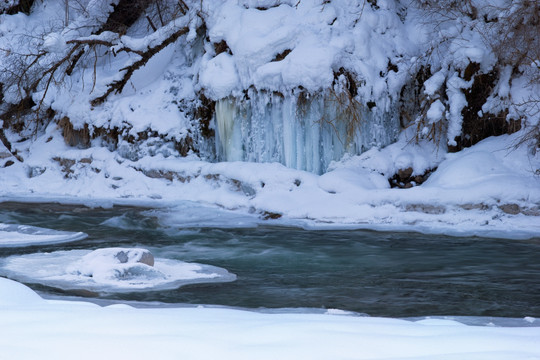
x: 392, y: 274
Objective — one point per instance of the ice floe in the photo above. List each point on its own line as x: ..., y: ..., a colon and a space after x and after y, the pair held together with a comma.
x: 13, y: 235
x: 109, y: 270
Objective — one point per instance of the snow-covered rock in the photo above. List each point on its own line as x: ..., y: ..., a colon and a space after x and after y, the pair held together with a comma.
x: 109, y: 270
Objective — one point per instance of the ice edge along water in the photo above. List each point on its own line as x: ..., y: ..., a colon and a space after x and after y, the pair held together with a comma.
x: 14, y: 235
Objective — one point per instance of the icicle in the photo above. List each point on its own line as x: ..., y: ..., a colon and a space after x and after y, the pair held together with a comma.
x: 229, y: 138
x: 299, y: 131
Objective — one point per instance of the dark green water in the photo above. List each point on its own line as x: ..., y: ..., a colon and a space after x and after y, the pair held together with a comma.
x: 381, y: 274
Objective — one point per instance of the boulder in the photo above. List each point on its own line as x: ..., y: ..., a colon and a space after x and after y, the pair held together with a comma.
x: 142, y: 256
x: 405, y: 174
x: 512, y: 209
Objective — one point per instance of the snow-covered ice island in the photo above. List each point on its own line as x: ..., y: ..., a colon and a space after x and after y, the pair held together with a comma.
x: 109, y: 270
x: 387, y: 115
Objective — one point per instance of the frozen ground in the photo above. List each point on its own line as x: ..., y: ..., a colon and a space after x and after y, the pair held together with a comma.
x: 57, y: 329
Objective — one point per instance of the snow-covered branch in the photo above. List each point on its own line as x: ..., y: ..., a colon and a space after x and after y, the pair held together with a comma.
x: 118, y: 85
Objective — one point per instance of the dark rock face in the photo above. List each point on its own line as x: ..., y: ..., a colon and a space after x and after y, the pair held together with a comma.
x: 405, y: 174
x: 405, y: 179
x: 145, y: 257
x: 512, y: 209
x: 478, y: 125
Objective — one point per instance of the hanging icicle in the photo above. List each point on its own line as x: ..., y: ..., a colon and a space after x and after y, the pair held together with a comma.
x: 301, y: 131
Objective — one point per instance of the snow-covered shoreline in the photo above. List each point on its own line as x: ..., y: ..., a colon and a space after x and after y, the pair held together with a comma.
x: 488, y: 190
x: 173, y: 215
x: 57, y: 329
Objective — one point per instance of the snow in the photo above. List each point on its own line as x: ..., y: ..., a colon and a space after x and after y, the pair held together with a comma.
x: 109, y: 270
x: 219, y: 77
x: 57, y: 329
x: 435, y: 82
x: 19, y: 294
x: 54, y: 42
x: 271, y: 32
x: 487, y: 190
x: 435, y: 112
x: 13, y: 235
x: 457, y: 102
x: 491, y: 189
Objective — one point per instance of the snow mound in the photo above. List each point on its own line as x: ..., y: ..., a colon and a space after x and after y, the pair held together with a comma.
x: 60, y: 329
x: 109, y: 270
x: 19, y: 294
x: 12, y: 235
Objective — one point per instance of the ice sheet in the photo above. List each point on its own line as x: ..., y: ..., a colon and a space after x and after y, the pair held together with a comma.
x: 108, y: 270
x: 187, y: 214
x: 13, y: 235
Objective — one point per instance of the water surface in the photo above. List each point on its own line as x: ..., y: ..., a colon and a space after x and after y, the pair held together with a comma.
x: 381, y: 274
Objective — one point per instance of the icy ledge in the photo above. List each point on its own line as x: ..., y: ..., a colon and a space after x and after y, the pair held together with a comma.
x: 76, y: 330
x: 109, y: 270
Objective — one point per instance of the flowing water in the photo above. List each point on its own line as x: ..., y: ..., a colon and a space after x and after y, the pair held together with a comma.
x: 381, y: 274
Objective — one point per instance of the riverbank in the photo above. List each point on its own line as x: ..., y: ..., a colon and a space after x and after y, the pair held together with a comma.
x: 491, y: 189
x: 62, y: 330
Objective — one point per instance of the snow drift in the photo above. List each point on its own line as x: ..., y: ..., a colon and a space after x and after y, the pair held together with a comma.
x: 59, y: 329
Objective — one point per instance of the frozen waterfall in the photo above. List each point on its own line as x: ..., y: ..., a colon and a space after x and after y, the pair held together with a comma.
x: 300, y: 131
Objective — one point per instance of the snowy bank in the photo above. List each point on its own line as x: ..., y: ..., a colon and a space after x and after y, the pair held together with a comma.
x: 490, y: 189
x: 57, y: 329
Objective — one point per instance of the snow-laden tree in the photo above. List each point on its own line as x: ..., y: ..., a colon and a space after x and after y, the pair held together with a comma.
x: 78, y: 37
x: 471, y: 70
x: 480, y: 73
